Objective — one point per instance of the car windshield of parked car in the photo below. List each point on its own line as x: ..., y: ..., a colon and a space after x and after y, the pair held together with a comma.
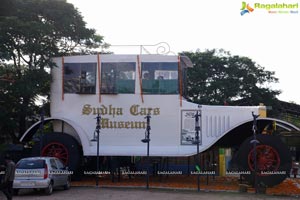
x: 31, y: 164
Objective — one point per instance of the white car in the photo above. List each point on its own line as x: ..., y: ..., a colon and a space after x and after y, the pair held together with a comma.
x: 41, y: 173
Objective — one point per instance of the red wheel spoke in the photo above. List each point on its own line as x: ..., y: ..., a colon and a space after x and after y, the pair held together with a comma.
x: 56, y: 150
x: 267, y: 159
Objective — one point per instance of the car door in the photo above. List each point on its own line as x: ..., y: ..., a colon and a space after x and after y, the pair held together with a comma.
x: 55, y: 172
x: 63, y: 172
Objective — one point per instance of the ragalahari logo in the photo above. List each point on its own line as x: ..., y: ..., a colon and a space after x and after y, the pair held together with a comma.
x: 246, y: 8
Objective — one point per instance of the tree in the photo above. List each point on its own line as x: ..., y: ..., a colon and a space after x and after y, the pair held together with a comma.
x: 30, y: 35
x: 219, y: 78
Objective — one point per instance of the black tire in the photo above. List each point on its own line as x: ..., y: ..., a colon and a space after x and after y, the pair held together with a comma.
x: 65, y: 141
x: 273, y: 166
x: 49, y: 189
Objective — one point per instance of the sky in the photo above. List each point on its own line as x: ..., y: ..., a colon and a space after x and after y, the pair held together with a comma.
x: 269, y: 39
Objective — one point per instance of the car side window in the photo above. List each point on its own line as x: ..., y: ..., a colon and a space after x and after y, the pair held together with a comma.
x: 160, y: 78
x: 53, y: 164
x: 60, y: 165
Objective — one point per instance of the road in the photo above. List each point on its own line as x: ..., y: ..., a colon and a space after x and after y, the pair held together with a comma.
x: 93, y: 193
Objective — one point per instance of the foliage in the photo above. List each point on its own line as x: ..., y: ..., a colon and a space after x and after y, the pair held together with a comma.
x: 31, y: 34
x: 4, y: 5
x: 219, y: 78
x: 18, y: 95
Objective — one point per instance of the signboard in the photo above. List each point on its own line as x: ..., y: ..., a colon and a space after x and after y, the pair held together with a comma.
x: 188, y: 124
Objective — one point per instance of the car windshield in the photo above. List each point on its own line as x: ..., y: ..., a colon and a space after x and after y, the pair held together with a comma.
x: 31, y: 164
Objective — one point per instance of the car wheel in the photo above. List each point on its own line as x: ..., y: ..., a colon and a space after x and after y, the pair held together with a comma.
x: 49, y: 189
x: 272, y: 157
x: 61, y: 146
x: 68, y: 184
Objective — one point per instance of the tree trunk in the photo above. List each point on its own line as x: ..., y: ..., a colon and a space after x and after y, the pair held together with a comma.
x: 22, y: 116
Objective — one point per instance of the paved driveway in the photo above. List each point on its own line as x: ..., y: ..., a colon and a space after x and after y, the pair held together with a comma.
x: 93, y: 193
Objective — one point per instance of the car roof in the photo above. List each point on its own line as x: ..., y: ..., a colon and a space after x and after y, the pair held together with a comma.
x: 38, y: 158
